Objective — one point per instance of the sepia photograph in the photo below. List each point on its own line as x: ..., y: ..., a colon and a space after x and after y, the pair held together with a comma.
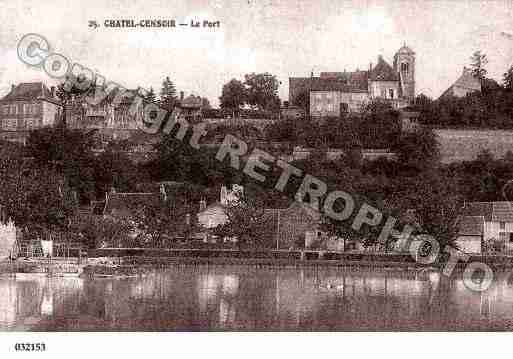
x: 254, y: 166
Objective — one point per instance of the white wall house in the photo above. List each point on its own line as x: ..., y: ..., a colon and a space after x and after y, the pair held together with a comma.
x: 7, y: 239
x: 497, y: 221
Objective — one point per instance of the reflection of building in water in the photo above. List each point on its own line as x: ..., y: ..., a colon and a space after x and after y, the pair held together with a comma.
x: 218, y: 290
x: 8, y: 301
x: 36, y: 296
x: 47, y: 301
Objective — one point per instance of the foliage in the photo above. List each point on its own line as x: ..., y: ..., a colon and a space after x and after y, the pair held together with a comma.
x: 233, y: 96
x: 98, y: 231
x: 168, y: 97
x: 262, y: 91
x: 35, y: 198
x: 303, y: 100
x: 478, y: 63
x: 433, y: 196
x: 508, y: 79
x: 71, y: 87
x: 247, y: 222
x: 418, y: 150
x: 150, y: 96
x: 67, y: 151
x: 156, y: 222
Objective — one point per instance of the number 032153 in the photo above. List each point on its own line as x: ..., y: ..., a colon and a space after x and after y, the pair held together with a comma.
x: 30, y: 347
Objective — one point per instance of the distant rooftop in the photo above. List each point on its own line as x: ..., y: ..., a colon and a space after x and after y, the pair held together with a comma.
x: 29, y: 91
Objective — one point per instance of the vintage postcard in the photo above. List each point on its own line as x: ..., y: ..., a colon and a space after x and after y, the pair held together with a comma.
x: 255, y: 166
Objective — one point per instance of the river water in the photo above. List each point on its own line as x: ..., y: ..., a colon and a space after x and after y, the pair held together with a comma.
x: 206, y: 297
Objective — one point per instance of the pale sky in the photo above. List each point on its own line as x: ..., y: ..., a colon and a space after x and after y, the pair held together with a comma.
x: 285, y: 38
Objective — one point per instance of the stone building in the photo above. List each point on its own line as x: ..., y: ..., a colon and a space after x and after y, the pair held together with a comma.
x: 465, y: 84
x: 27, y: 106
x: 113, y: 117
x: 190, y: 107
x: 331, y: 93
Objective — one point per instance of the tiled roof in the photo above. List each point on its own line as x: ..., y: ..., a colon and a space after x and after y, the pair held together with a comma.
x: 335, y: 84
x: 491, y: 211
x: 29, y: 91
x: 191, y: 101
x: 329, y: 81
x: 471, y: 225
x: 383, y: 71
x: 468, y: 81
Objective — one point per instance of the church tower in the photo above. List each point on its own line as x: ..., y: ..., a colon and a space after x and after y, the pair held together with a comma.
x: 404, y: 65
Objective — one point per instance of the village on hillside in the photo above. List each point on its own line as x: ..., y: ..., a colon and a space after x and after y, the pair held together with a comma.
x: 92, y: 179
x: 276, y: 165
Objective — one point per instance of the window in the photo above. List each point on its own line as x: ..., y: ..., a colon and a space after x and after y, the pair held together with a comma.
x: 405, y: 67
x: 13, y: 109
x: 6, y: 110
x: 383, y: 93
x: 511, y: 237
x: 9, y: 124
x: 30, y: 123
x: 391, y: 93
x: 502, y: 225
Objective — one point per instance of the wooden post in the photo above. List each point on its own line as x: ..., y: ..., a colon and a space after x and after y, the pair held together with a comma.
x: 278, y: 232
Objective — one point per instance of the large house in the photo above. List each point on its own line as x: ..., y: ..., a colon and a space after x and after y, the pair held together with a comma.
x: 26, y: 107
x: 334, y: 92
x: 465, y: 84
x: 485, y: 223
x: 112, y: 118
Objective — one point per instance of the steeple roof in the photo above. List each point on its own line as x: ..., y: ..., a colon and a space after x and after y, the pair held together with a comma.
x: 405, y: 50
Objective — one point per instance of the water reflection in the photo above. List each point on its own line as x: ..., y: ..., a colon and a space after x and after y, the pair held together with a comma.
x: 254, y: 298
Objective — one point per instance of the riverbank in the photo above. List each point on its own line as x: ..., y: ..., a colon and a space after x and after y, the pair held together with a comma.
x: 137, y: 261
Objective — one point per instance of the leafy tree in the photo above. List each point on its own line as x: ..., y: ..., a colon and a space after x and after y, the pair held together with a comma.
x: 508, y: 79
x: 114, y: 168
x: 378, y: 126
x: 67, y: 151
x: 478, y: 63
x: 35, y: 198
x: 150, y: 96
x: 98, y: 231
x: 205, y: 103
x: 434, y: 200
x: 262, y: 91
x: 418, y: 150
x: 168, y: 97
x: 72, y: 87
x: 303, y: 100
x: 247, y: 222
x: 165, y: 220
x: 233, y: 96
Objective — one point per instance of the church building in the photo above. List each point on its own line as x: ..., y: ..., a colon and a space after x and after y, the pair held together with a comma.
x: 331, y: 93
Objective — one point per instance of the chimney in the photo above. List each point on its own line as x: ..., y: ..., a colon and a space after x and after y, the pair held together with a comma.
x: 52, y: 91
x: 163, y: 192
x: 12, y: 87
x: 370, y: 66
x: 181, y: 95
x: 202, y: 205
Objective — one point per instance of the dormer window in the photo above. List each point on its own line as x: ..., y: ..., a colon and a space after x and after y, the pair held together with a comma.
x: 404, y: 67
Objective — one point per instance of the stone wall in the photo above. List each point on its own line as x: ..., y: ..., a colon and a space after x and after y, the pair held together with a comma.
x: 465, y: 144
